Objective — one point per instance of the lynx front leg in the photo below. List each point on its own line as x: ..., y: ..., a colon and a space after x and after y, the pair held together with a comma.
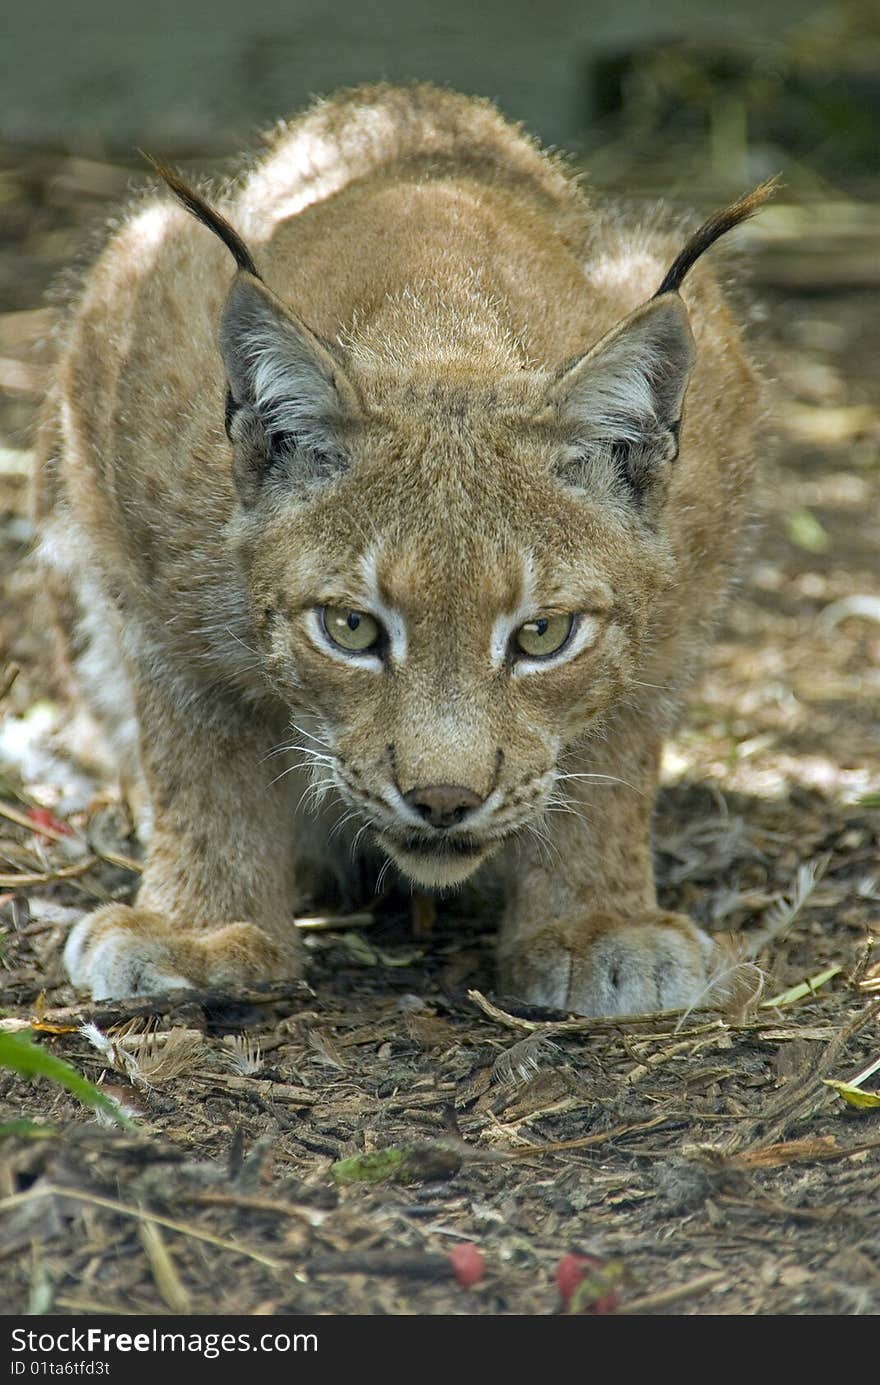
x: 582, y: 929
x: 214, y: 905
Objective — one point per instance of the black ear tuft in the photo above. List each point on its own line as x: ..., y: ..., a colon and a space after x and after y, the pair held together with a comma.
x: 709, y: 232
x: 202, y: 210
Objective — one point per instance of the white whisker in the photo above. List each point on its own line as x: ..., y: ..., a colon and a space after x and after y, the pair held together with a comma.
x: 229, y: 630
x: 386, y: 866
x: 609, y: 778
x: 340, y: 822
x: 357, y: 836
x: 316, y: 791
x: 545, y: 843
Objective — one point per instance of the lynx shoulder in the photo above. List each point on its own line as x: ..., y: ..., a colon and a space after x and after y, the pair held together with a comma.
x: 394, y: 492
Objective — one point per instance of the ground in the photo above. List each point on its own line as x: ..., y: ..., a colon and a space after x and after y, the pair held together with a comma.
x: 703, y: 1159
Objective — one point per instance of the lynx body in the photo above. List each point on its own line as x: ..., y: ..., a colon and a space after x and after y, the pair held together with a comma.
x: 401, y: 539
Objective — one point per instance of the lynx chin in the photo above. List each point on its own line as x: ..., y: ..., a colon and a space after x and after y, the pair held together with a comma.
x: 388, y: 497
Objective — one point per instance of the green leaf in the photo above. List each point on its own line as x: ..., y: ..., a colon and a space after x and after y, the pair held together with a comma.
x: 359, y: 950
x: 421, y: 1163
x: 365, y: 955
x: 598, y: 1290
x: 376, y: 1167
x: 805, y: 531
x: 854, y: 1096
x: 26, y: 1130
x: 406, y: 959
x: 30, y: 1060
x: 808, y: 987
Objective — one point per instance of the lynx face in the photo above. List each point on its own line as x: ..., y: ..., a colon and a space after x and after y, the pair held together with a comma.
x: 437, y: 645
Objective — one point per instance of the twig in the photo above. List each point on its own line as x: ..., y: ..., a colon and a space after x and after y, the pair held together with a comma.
x: 172, y: 1289
x: 585, y: 1141
x: 766, y: 1205
x: 799, y: 1151
x: 607, y: 1024
x: 141, y: 1006
x: 790, y: 1105
x: 89, y: 1305
x: 599, y: 1024
x: 17, y: 816
x: 666, y: 1296
x: 23, y: 881
x: 284, y: 1092
x: 657, y: 1059
x: 864, y: 1074
x: 114, y: 858
x: 93, y: 1200
x: 330, y: 922
x: 9, y: 678
x: 410, y: 1265
x: 251, y: 1203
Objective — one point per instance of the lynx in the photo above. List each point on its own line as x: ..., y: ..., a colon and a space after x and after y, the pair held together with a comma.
x: 396, y: 492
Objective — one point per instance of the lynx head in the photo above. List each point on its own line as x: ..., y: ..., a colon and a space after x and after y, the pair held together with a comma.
x: 452, y: 565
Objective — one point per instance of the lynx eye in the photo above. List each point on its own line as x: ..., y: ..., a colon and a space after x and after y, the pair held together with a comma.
x: 543, y: 636
x: 352, y: 630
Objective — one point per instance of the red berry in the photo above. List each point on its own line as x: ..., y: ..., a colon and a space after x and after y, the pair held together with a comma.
x: 569, y: 1273
x: 588, y: 1285
x: 42, y: 817
x: 468, y: 1264
x: 609, y: 1303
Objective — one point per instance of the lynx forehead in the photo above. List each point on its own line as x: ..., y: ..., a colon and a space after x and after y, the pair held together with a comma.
x: 390, y: 543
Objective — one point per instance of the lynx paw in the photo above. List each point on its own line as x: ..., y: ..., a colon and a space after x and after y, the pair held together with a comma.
x: 606, y: 965
x: 118, y: 952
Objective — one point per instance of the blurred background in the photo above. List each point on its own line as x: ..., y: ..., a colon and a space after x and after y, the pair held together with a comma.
x: 743, y: 86
x: 688, y: 100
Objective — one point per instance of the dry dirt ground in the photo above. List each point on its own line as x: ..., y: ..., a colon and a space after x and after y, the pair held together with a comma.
x: 702, y: 1159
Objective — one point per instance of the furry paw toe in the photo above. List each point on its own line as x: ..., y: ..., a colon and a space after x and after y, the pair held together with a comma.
x: 119, y: 952
x: 617, y: 967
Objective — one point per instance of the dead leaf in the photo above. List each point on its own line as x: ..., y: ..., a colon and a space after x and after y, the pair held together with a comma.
x: 786, y: 1153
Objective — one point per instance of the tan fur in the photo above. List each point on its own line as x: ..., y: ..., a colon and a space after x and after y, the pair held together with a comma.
x: 435, y: 292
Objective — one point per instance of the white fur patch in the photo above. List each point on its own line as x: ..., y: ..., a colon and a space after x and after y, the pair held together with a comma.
x: 118, y: 965
x: 506, y: 625
x: 392, y: 620
x: 149, y: 227
x: 632, y: 387
x: 272, y: 364
x: 73, y: 949
x: 291, y: 391
x: 616, y: 399
x: 510, y: 621
x: 315, y: 628
x: 372, y: 604
x: 585, y: 634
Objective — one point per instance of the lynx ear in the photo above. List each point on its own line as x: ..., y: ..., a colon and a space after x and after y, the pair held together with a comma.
x: 289, y: 399
x: 288, y: 396
x: 621, y: 403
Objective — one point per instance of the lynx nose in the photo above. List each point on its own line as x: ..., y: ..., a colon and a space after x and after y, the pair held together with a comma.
x: 443, y: 805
